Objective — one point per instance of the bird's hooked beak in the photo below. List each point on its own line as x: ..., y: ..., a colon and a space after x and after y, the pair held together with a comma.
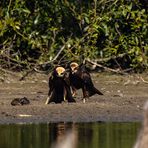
x: 74, y: 67
x: 60, y: 71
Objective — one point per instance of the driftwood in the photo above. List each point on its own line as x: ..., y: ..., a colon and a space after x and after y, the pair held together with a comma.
x: 105, y: 68
x: 111, y: 58
x: 144, y: 80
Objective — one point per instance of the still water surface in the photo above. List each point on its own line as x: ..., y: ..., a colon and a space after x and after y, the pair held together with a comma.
x: 88, y: 135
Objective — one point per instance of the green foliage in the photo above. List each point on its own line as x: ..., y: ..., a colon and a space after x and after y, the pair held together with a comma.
x: 32, y: 32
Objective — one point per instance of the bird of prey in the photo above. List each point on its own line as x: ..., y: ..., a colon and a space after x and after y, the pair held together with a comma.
x: 81, y: 79
x: 59, y: 86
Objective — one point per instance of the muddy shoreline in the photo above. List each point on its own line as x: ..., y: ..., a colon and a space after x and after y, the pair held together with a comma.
x: 123, y: 100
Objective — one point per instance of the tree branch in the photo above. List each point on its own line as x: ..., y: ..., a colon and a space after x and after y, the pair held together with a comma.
x: 104, y: 67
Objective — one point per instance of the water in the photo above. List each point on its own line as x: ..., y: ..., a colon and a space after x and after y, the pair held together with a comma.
x: 87, y: 135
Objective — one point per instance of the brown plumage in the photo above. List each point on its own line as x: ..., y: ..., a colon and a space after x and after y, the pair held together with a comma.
x: 81, y: 79
x: 59, y: 87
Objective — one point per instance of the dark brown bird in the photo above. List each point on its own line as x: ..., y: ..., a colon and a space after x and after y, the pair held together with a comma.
x: 81, y: 79
x: 59, y: 87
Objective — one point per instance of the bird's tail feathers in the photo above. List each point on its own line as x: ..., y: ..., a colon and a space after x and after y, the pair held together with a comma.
x: 97, y: 91
x: 94, y: 91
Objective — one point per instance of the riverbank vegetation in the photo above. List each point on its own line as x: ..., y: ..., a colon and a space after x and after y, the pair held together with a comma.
x: 105, y: 33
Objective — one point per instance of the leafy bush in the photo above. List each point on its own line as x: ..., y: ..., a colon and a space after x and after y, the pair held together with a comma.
x: 33, y: 32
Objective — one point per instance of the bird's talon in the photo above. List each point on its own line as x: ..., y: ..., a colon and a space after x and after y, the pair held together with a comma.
x: 84, y: 100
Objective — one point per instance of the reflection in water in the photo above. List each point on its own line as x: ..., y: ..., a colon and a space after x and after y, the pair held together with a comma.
x: 142, y: 138
x: 66, y: 136
x: 108, y: 135
x: 78, y: 135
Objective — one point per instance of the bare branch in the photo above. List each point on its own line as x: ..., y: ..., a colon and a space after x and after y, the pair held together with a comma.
x: 104, y: 67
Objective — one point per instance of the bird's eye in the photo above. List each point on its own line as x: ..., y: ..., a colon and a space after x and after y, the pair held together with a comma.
x: 62, y: 73
x: 75, y: 69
